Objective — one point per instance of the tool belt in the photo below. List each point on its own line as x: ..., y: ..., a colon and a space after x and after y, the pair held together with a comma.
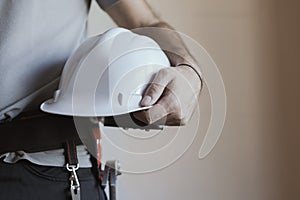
x: 37, y: 131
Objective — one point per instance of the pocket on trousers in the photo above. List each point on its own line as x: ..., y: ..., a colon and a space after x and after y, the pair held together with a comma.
x: 47, y: 172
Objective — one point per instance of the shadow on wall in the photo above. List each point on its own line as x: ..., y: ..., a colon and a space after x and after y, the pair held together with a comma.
x: 289, y: 69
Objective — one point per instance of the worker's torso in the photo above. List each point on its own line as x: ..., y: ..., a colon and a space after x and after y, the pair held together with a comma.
x: 36, y: 38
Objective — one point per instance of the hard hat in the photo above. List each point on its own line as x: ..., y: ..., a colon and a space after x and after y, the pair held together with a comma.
x: 106, y: 75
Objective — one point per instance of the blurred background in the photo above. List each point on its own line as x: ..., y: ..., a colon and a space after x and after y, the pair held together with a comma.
x: 256, y: 45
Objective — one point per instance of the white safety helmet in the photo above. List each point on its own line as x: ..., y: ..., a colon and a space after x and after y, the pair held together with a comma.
x: 107, y: 74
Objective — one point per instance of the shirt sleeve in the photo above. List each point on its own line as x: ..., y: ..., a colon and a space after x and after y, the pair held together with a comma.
x: 104, y: 4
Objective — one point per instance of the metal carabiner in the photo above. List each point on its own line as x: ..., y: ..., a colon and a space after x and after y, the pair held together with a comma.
x: 74, y: 182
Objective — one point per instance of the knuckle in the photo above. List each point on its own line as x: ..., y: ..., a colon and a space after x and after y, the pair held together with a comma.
x: 164, y: 71
x: 154, y: 88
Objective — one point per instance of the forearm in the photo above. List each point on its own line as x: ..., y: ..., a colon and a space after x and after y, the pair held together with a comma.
x: 172, y: 44
x: 139, y: 17
x: 177, y: 51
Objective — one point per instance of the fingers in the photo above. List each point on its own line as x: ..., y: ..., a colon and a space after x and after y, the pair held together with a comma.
x: 150, y: 116
x: 157, y: 87
x: 165, y: 112
x: 172, y: 97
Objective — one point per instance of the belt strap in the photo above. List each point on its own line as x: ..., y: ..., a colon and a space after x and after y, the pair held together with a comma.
x: 71, y: 153
x: 37, y: 133
x: 72, y: 166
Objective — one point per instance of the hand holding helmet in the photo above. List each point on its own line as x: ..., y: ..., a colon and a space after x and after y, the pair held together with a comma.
x: 173, y: 96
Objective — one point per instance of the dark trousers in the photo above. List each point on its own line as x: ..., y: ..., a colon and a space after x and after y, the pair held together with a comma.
x: 24, y: 180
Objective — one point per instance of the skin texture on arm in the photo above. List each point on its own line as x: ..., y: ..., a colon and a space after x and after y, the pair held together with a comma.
x: 174, y: 91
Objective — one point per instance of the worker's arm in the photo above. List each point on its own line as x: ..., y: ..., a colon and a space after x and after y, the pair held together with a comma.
x: 174, y: 91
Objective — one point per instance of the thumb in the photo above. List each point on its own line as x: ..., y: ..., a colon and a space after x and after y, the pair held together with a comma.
x: 156, y: 88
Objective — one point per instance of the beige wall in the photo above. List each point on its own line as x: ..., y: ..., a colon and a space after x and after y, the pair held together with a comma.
x: 255, y: 45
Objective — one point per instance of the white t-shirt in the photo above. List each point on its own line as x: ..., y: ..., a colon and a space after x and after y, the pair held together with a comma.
x: 36, y: 38
x: 54, y: 158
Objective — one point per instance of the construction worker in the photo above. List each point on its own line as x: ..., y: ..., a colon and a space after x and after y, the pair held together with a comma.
x: 36, y: 39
